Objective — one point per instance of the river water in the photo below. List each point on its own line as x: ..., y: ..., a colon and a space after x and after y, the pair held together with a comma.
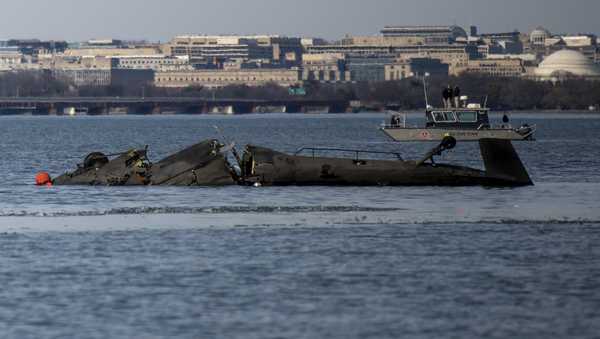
x: 319, y: 262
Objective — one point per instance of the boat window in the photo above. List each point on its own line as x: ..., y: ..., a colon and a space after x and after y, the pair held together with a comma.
x: 467, y: 116
x: 444, y: 117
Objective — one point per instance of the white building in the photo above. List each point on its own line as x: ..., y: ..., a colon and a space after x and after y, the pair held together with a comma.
x: 567, y: 63
x: 10, y: 60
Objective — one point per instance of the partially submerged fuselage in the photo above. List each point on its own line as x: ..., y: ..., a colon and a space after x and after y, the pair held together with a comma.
x: 267, y: 167
x: 202, y: 164
x: 128, y: 168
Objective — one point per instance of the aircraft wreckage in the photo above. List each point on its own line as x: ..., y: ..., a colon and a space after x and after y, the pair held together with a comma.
x: 206, y: 164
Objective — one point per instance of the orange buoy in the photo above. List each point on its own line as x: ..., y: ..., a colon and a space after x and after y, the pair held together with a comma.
x: 43, y: 179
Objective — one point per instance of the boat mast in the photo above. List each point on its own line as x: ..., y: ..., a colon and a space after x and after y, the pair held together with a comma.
x: 425, y: 90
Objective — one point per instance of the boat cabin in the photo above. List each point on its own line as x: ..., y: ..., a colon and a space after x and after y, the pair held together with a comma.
x: 469, y: 118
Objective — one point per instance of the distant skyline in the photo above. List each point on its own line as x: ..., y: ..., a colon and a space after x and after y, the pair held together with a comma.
x: 155, y: 20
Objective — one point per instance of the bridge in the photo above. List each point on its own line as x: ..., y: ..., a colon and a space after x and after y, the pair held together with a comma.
x: 162, y: 105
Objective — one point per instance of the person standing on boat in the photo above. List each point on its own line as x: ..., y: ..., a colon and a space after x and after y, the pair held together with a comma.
x: 395, y: 120
x: 506, y: 121
x: 457, y: 97
x: 446, y: 96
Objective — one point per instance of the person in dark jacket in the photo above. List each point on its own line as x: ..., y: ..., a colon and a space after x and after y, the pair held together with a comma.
x: 457, y: 97
x: 447, y: 96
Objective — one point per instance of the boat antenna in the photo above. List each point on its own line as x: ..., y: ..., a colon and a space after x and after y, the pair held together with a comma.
x: 425, y: 90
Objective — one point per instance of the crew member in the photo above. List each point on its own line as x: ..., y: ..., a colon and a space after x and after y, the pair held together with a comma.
x: 395, y: 120
x: 505, y: 121
x: 446, y: 96
x: 457, y: 97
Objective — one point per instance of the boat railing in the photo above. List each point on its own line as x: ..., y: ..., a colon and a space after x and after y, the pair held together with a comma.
x: 357, y: 153
x: 532, y: 128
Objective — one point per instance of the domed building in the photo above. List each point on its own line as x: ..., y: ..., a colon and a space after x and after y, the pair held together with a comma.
x: 538, y: 36
x: 567, y: 63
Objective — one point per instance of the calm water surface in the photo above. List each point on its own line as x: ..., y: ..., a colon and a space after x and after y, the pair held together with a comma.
x: 240, y: 262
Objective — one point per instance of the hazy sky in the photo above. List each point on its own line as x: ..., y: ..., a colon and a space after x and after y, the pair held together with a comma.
x: 162, y: 19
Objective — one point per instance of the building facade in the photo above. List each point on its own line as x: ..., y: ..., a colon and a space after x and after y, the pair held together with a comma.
x: 221, y: 78
x: 503, y: 43
x: 417, y: 67
x: 368, y: 68
x: 432, y: 34
x: 110, y: 52
x: 153, y: 62
x: 80, y: 71
x: 324, y: 67
x: 384, y: 41
x: 502, y: 68
x: 84, y: 76
x: 275, y: 49
x: 10, y: 59
x: 456, y: 56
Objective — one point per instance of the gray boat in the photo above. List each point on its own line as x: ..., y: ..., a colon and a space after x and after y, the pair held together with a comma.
x: 460, y: 119
x: 469, y: 123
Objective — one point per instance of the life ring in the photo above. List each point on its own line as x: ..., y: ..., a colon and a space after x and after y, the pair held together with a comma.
x: 425, y: 135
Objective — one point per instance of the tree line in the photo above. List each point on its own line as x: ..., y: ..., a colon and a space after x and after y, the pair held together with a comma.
x: 501, y: 93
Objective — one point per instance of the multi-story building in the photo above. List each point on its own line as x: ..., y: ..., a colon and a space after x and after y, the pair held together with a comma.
x: 497, y: 67
x: 503, y: 43
x: 456, y: 56
x: 324, y: 67
x: 221, y: 78
x: 84, y: 76
x: 384, y: 41
x: 81, y: 71
x: 368, y: 68
x: 111, y: 51
x: 34, y: 47
x: 417, y: 67
x: 153, y: 62
x: 51, y: 61
x: 10, y: 58
x: 307, y: 42
x: 432, y: 34
x: 276, y: 49
x: 456, y: 59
